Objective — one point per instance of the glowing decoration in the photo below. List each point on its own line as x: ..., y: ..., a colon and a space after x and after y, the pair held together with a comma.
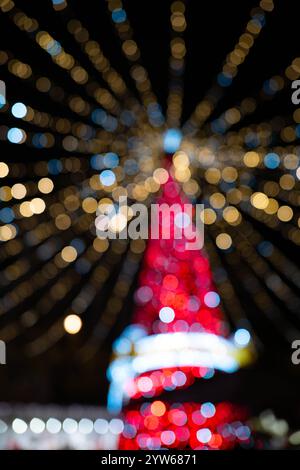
x: 179, y: 336
x: 242, y: 337
x: 101, y: 426
x: 69, y: 254
x: 4, y: 170
x: 110, y: 160
x: 37, y: 205
x: 204, y: 435
x: 53, y: 426
x: 251, y: 159
x: 172, y: 139
x: 16, y: 135
x: 161, y: 425
x: 223, y: 241
x: 259, y: 200
x: 118, y: 15
x: 37, y: 425
x: 160, y: 175
x: 18, y: 191
x: 85, y: 426
x: 271, y: 160
x: 19, y: 110
x: 7, y: 215
x: 166, y: 314
x: 19, y: 426
x: 208, y: 410
x: 70, y: 425
x: 45, y: 185
x: 72, y: 324
x: 212, y: 299
x: 285, y: 213
x: 107, y: 178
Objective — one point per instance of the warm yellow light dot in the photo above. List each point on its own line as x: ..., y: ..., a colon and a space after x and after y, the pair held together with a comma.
x: 95, y: 182
x: 137, y: 246
x: 229, y: 174
x: 37, y: 205
x: 69, y: 254
x: 191, y: 187
x: 105, y: 205
x: 212, y: 175
x: 223, y: 241
x: 267, y: 5
x: 72, y: 324
x: 233, y: 115
x: 100, y: 245
x: 18, y: 191
x: 217, y: 200
x: 231, y: 215
x: 160, y: 175
x: 181, y: 160
x: 79, y: 75
x: 182, y: 175
x: 251, y: 159
x: 130, y: 47
x: 291, y: 161
x: 25, y: 209
x: 89, y: 205
x: 287, y: 182
x: 43, y: 84
x: 272, y: 206
x: 45, y: 185
x: 234, y: 196
x: 63, y: 221
x: 151, y: 185
x: 4, y: 170
x: 259, y: 200
x: 139, y: 192
x: 5, y: 193
x: 285, y: 213
x: 7, y: 232
x: 271, y: 188
x: 208, y: 216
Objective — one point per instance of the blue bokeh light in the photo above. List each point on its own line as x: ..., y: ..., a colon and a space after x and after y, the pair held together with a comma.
x: 172, y: 140
x: 208, y: 410
x: 107, y: 177
x: 271, y: 160
x: 118, y: 15
x: 212, y: 299
x: 15, y: 135
x: 242, y: 337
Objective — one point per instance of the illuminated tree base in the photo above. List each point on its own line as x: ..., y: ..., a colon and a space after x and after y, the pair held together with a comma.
x: 160, y: 425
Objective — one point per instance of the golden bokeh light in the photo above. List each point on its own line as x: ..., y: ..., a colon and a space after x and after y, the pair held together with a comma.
x: 72, y: 324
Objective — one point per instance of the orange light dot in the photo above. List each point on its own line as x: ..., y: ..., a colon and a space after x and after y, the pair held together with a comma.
x: 216, y: 441
x: 158, y: 408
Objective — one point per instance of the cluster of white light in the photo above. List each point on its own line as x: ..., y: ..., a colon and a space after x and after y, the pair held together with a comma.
x: 181, y: 349
x: 101, y: 426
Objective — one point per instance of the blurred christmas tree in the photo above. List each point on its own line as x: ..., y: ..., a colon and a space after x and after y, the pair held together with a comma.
x: 179, y: 335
